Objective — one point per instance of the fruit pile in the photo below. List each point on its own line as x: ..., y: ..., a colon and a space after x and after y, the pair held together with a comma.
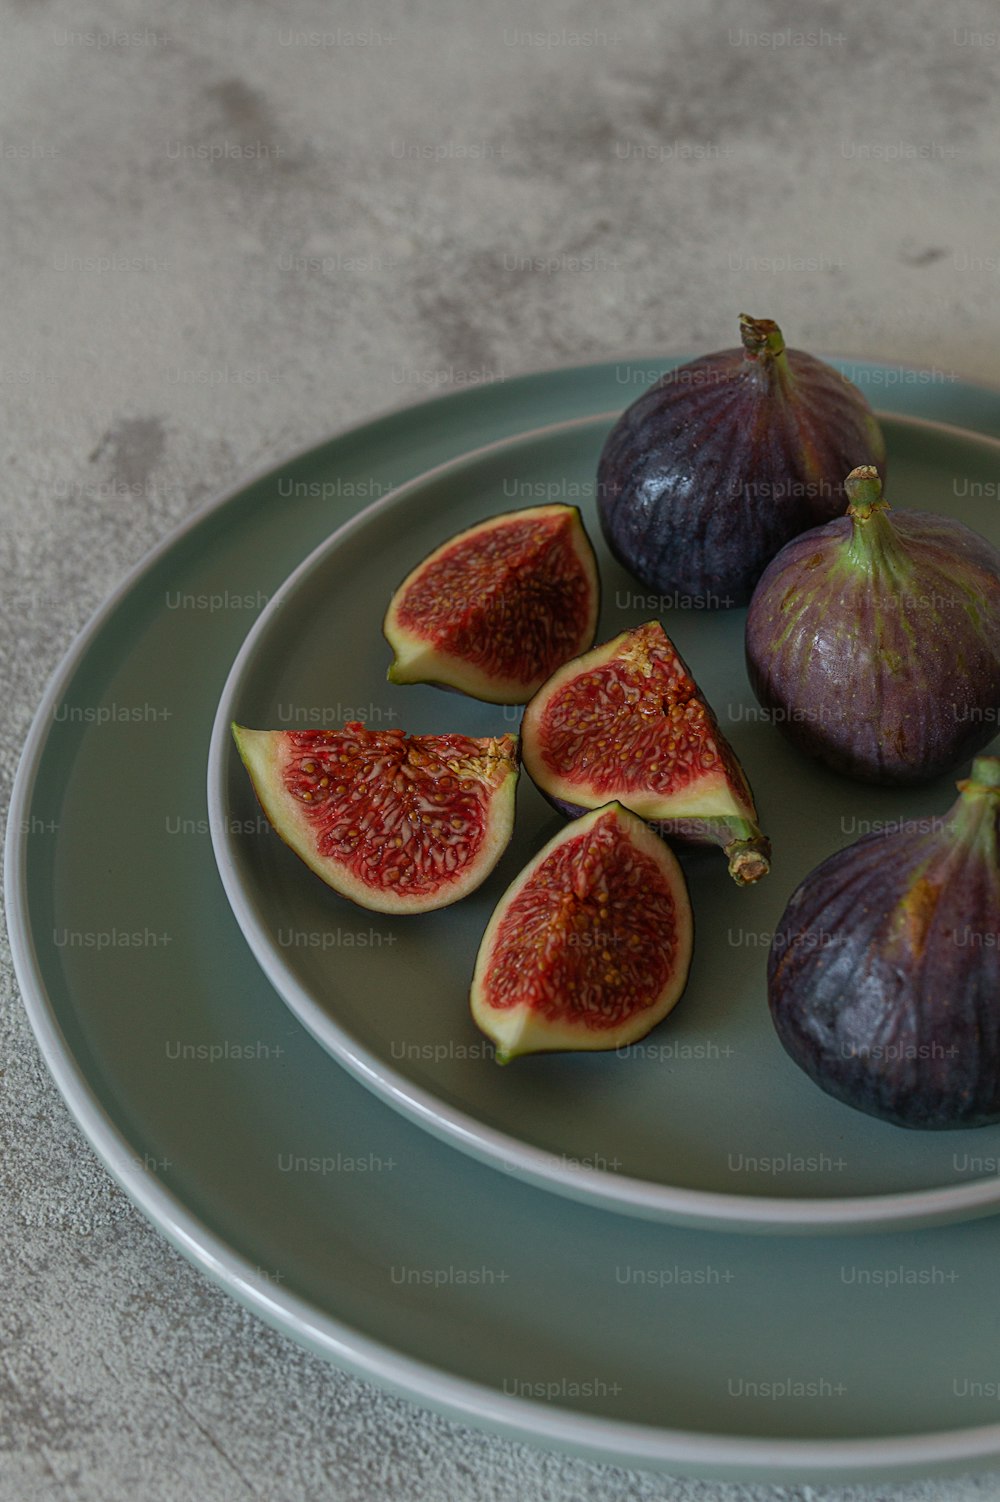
x: 751, y: 476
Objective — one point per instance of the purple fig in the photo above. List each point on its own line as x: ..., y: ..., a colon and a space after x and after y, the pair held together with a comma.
x: 727, y: 458
x: 874, y: 641
x: 884, y: 971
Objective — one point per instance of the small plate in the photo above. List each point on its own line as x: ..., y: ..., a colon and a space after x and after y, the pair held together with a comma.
x: 706, y: 1121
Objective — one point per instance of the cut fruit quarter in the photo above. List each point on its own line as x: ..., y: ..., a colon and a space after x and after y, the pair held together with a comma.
x: 495, y: 609
x: 589, y: 948
x: 398, y: 823
x: 626, y: 721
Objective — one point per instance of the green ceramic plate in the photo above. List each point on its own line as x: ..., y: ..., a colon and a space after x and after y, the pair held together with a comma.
x: 325, y: 1211
x: 706, y: 1121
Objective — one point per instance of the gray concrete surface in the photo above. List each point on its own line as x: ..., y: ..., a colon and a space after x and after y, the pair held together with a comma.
x: 337, y: 209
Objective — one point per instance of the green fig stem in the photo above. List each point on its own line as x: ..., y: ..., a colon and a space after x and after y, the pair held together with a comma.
x: 749, y: 860
x: 864, y: 492
x: 874, y: 543
x: 975, y: 818
x: 762, y: 339
x: 985, y: 778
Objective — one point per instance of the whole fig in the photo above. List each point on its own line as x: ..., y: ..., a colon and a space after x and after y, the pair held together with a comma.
x: 884, y: 972
x: 726, y: 458
x: 874, y: 641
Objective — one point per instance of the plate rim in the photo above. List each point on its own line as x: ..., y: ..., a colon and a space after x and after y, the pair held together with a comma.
x: 597, y: 1438
x: 497, y: 1149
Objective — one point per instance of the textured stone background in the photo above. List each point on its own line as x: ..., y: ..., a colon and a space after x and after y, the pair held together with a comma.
x: 324, y: 229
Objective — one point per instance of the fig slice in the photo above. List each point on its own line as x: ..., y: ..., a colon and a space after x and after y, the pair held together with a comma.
x: 497, y: 608
x: 398, y: 823
x: 589, y: 947
x: 627, y: 722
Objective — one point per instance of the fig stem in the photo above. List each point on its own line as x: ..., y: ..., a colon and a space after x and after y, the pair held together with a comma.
x: 985, y: 778
x: 864, y: 492
x: 749, y: 860
x: 874, y: 541
x: 975, y: 819
x: 762, y: 338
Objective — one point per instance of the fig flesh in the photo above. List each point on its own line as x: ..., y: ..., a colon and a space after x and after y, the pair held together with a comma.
x: 589, y: 948
x: 496, y: 609
x: 874, y: 641
x: 398, y: 823
x: 884, y: 972
x: 712, y: 470
x: 627, y: 722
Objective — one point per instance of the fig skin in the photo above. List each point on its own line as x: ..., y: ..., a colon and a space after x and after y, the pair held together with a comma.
x: 712, y: 470
x: 873, y: 642
x: 884, y: 972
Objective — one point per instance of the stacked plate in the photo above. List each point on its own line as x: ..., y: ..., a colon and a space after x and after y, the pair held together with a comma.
x: 664, y: 1258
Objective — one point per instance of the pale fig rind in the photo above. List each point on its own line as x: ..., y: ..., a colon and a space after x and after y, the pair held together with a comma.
x: 874, y: 641
x: 496, y: 608
x: 590, y: 946
x: 402, y: 824
x: 711, y: 471
x: 884, y: 970
x: 626, y: 721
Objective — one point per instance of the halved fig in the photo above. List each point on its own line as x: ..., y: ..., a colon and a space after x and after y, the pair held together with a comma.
x: 497, y: 608
x: 589, y: 948
x: 398, y: 823
x: 627, y: 722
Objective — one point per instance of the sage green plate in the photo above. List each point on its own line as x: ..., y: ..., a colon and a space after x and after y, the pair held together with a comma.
x: 328, y: 1213
x: 706, y: 1121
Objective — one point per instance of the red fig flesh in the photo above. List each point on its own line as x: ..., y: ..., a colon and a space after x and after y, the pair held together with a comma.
x: 398, y: 823
x: 493, y: 611
x: 590, y: 946
x: 627, y: 722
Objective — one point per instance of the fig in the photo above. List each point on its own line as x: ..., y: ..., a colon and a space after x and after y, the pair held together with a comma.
x: 627, y: 722
x: 589, y: 948
x: 874, y: 640
x: 496, y: 609
x: 884, y: 972
x: 398, y: 823
x: 724, y: 460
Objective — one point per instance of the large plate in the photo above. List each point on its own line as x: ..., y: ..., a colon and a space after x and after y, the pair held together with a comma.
x: 706, y: 1121
x: 326, y: 1212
